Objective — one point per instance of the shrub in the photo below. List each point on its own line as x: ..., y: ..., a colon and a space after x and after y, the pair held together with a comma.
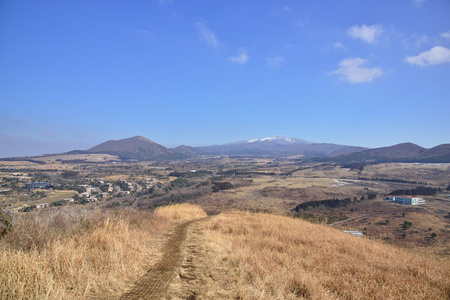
x: 6, y: 223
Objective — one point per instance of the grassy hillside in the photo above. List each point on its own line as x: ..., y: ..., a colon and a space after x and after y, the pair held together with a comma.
x: 90, y: 254
x: 274, y: 257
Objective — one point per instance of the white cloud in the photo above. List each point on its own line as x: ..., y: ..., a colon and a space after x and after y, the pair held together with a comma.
x: 446, y: 35
x: 207, y: 35
x: 241, y: 58
x: 368, y: 34
x: 354, y: 70
x: 274, y: 62
x: 436, y: 56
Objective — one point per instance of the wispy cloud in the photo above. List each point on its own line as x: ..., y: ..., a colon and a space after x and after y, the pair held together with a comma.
x: 241, y: 58
x: 418, y: 2
x: 48, y: 133
x: 287, y: 9
x: 435, y: 56
x: 367, y: 34
x: 338, y: 45
x: 354, y: 70
x: 417, y: 41
x: 274, y: 62
x: 422, y: 40
x: 144, y: 34
x: 164, y: 2
x: 16, y: 121
x: 446, y: 35
x: 207, y: 36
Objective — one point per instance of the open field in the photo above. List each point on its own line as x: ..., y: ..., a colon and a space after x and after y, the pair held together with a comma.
x: 64, y: 159
x: 51, y: 197
x: 25, y: 199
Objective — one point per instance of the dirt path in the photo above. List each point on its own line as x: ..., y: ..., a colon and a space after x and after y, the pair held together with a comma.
x: 205, y: 272
x: 154, y: 284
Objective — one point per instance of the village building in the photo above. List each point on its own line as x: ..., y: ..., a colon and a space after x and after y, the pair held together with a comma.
x: 130, y: 186
x: 67, y: 200
x: 85, y: 194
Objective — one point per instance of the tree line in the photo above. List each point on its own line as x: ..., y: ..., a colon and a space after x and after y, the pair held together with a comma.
x: 330, y: 203
x: 420, y: 190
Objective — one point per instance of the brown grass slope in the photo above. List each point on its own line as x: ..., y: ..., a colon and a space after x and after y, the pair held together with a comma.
x: 274, y: 257
x: 83, y: 254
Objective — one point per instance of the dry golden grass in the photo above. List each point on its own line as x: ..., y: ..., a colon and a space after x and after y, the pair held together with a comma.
x: 183, y: 211
x: 274, y: 257
x: 76, y: 254
x: 115, y: 177
x: 17, y: 163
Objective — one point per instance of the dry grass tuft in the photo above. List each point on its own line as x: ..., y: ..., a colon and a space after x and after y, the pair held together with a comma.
x: 274, y: 257
x: 183, y: 211
x: 75, y: 253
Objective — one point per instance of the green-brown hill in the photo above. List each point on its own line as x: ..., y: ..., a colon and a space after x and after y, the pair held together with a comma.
x: 138, y: 148
x: 405, y: 152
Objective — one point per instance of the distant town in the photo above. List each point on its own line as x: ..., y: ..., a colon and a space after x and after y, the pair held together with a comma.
x: 84, y: 190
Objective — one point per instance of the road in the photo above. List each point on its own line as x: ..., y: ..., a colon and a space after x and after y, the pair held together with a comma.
x: 354, y: 218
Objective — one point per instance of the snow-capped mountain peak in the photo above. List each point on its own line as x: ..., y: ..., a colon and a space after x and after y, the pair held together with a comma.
x: 279, y: 139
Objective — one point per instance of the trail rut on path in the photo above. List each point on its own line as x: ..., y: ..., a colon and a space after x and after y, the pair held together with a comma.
x: 153, y: 285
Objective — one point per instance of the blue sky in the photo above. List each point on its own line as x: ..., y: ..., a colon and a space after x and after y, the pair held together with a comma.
x: 76, y: 73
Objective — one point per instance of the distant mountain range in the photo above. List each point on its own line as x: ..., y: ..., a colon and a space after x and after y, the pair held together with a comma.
x: 142, y: 149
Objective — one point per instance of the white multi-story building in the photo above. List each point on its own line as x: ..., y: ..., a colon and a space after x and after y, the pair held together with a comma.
x: 407, y: 200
